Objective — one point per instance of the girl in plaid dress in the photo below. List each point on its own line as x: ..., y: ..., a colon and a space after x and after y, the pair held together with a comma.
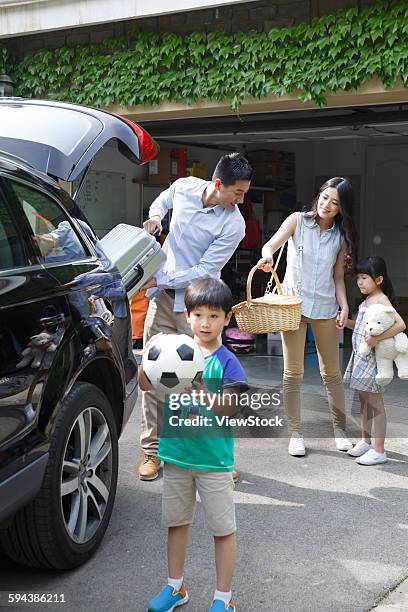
x: 374, y: 283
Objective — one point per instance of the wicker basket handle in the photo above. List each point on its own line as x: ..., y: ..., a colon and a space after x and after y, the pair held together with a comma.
x: 249, y: 283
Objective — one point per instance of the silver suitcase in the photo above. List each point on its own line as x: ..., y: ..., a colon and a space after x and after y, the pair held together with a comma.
x: 136, y: 254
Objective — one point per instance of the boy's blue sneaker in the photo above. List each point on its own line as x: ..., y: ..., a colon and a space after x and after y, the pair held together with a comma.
x: 168, y: 599
x: 219, y: 606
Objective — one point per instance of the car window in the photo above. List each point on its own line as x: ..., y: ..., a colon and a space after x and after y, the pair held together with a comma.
x: 12, y: 253
x: 57, y: 129
x: 53, y: 232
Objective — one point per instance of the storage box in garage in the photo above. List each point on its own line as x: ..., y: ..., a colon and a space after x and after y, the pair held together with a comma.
x: 198, y: 169
x: 274, y: 200
x: 265, y: 155
x: 270, y: 173
x: 164, y: 168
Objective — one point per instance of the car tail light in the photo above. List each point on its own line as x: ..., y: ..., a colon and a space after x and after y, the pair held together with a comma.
x: 147, y: 145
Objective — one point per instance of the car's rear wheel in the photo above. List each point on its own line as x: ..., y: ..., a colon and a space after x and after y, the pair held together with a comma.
x: 66, y: 522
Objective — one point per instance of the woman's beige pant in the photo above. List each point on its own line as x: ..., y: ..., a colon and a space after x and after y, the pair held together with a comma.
x: 327, y: 344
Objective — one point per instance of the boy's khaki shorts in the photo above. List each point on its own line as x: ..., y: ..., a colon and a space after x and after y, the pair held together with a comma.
x: 216, y: 493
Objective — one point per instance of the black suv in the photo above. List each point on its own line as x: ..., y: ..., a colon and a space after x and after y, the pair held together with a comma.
x: 67, y: 374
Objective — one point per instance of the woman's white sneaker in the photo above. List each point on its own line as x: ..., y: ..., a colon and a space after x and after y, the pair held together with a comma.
x: 359, y: 449
x: 372, y: 457
x: 296, y: 446
x: 342, y: 441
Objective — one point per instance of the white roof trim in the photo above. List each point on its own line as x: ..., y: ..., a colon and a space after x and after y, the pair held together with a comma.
x: 13, y: 3
x: 19, y: 17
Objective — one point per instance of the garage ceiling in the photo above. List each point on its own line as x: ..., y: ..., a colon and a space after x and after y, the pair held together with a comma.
x: 293, y: 126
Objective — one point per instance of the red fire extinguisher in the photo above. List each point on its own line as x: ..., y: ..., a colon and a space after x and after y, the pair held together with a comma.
x: 181, y: 154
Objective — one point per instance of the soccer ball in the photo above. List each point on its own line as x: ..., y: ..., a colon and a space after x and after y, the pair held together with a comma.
x: 172, y: 362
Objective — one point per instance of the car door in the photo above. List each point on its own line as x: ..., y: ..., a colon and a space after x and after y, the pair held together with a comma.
x: 71, y: 253
x: 42, y: 306
x: 28, y: 298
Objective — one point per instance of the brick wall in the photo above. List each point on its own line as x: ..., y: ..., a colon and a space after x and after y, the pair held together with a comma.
x: 262, y: 16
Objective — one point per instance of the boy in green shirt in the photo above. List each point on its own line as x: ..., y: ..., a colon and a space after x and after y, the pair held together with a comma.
x: 201, y: 458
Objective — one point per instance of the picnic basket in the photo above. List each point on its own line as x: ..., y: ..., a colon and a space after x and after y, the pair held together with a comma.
x: 271, y: 313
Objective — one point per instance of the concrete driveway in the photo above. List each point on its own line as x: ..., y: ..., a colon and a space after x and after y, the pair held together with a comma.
x: 316, y: 534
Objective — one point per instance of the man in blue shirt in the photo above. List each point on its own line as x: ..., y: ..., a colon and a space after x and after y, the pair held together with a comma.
x: 206, y: 228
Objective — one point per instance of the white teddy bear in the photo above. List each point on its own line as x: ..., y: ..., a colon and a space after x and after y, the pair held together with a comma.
x: 378, y: 318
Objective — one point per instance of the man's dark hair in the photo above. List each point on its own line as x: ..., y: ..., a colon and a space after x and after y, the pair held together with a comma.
x: 231, y: 168
x: 210, y: 292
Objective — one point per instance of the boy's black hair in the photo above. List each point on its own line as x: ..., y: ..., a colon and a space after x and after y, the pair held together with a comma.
x: 375, y: 266
x: 211, y: 292
x: 231, y: 168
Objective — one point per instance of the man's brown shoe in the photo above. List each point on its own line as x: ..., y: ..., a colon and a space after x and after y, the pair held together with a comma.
x: 235, y: 475
x: 149, y: 467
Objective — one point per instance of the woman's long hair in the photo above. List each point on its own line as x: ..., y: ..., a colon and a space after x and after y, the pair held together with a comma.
x: 343, y: 220
x: 374, y: 266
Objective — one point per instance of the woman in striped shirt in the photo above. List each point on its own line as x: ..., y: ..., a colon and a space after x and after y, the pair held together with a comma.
x: 327, y: 236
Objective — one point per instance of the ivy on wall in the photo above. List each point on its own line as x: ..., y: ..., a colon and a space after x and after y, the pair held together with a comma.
x: 335, y: 52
